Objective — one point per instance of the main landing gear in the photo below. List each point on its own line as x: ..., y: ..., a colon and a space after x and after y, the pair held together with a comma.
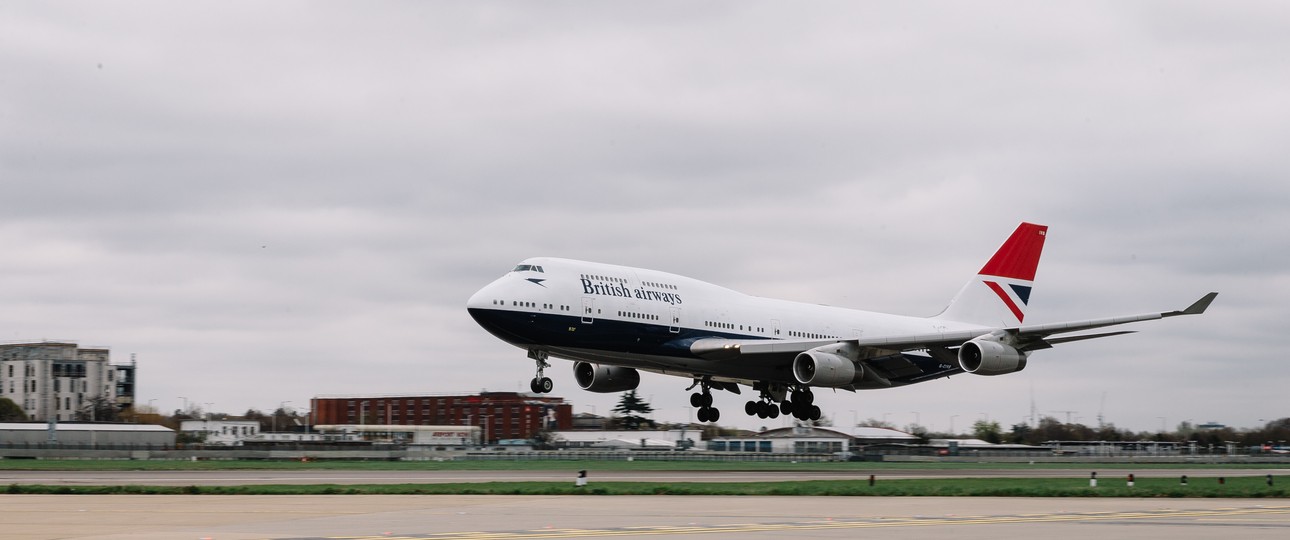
x: 765, y: 406
x: 703, y: 400
x: 801, y: 404
x: 541, y: 384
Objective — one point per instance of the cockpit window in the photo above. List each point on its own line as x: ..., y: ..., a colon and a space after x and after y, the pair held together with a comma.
x: 528, y: 268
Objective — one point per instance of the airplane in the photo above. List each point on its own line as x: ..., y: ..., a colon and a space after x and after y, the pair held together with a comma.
x: 615, y: 321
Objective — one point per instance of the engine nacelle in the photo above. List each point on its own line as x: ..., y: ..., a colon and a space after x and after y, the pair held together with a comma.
x: 822, y: 368
x: 986, y: 356
x: 605, y: 379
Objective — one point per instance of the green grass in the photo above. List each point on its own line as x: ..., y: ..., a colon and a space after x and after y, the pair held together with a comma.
x: 604, y: 465
x: 1239, y: 487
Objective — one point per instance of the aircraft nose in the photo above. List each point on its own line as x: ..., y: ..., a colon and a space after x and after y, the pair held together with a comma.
x: 480, y: 299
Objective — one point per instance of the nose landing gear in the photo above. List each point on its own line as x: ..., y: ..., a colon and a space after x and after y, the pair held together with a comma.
x: 541, y: 384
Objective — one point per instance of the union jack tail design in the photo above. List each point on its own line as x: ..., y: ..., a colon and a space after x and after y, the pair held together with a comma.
x: 999, y: 293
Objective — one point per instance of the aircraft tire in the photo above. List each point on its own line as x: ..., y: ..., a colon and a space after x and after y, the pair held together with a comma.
x: 707, y: 399
x: 533, y: 385
x: 545, y: 385
x: 815, y: 412
x: 696, y: 400
x: 750, y: 408
x: 786, y: 407
x: 713, y: 414
x: 773, y: 413
x: 703, y: 414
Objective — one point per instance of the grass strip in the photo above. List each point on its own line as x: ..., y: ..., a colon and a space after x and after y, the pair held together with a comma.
x: 574, y: 465
x: 1238, y: 487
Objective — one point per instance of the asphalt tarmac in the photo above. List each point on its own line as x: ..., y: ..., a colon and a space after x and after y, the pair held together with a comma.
x: 383, y: 517
x: 297, y: 477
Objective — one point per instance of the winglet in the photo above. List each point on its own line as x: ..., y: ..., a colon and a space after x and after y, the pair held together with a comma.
x: 1196, y: 308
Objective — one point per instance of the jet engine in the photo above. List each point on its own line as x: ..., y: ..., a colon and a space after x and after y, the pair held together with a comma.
x: 605, y: 379
x: 985, y: 355
x: 823, y: 366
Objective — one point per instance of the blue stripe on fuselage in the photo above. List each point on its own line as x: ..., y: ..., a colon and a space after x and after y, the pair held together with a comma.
x: 524, y: 329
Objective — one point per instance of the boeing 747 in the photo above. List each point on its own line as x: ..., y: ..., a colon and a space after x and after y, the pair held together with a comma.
x: 615, y: 321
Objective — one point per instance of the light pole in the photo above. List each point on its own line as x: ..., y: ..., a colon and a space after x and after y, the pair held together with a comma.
x: 185, y: 409
x: 208, y: 411
x: 952, y: 417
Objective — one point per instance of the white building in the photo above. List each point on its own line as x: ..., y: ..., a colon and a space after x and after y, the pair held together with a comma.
x: 415, y: 435
x: 625, y: 440
x: 228, y: 432
x: 59, y: 380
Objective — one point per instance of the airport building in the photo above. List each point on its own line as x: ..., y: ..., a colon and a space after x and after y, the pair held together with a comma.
x: 59, y: 380
x: 501, y: 416
x: 221, y: 432
x: 35, y: 433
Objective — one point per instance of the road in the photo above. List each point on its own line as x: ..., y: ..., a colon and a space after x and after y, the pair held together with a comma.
x: 384, y: 517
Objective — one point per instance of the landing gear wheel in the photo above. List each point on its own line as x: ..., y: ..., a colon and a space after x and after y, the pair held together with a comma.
x: 533, y: 385
x: 786, y: 407
x: 815, y: 412
x: 696, y: 400
x: 545, y: 385
x: 709, y: 414
x: 750, y: 408
x: 773, y: 411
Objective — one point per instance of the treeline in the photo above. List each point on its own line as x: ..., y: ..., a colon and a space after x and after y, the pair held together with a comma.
x: 1273, y: 433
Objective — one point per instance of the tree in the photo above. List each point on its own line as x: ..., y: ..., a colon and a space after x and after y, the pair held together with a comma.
x: 1021, y: 434
x: 11, y: 412
x: 631, y: 410
x: 98, y: 409
x: 873, y: 422
x: 987, y: 431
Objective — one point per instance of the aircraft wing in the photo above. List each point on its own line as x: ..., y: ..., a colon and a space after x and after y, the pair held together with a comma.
x: 1025, y: 338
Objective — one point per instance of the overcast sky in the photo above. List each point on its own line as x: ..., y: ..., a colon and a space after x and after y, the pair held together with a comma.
x: 269, y: 201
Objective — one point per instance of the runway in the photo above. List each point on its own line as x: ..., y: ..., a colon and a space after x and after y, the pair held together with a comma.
x: 342, y: 477
x: 380, y: 517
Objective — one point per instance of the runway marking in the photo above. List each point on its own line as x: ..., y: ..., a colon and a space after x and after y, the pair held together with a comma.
x: 539, y: 534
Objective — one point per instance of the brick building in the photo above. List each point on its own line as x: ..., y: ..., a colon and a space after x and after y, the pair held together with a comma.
x: 499, y: 415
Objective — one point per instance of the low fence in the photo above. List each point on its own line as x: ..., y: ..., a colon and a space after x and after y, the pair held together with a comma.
x: 652, y: 456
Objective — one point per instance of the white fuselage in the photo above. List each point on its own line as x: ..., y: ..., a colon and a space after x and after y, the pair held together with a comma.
x: 646, y: 319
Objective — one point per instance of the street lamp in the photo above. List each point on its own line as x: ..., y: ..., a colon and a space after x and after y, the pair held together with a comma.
x: 185, y: 409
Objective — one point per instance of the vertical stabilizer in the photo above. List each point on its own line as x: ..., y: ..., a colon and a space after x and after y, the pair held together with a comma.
x: 999, y: 293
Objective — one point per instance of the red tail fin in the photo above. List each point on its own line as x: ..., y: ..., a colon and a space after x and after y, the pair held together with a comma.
x: 1019, y: 256
x: 999, y: 293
